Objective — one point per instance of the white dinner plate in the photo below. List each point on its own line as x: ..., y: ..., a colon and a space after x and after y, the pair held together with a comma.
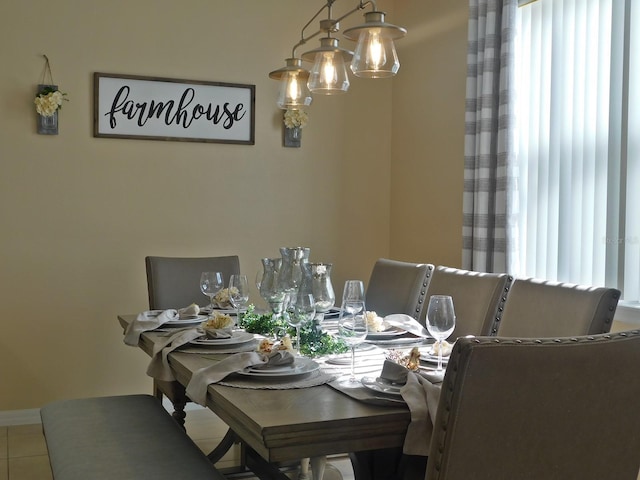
x: 226, y: 311
x: 381, y: 385
x: 185, y: 322
x: 427, y: 357
x: 387, y: 333
x: 399, y: 342
x: 237, y: 338
x: 300, y: 366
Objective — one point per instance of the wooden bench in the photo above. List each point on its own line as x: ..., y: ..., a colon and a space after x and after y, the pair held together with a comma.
x: 129, y: 437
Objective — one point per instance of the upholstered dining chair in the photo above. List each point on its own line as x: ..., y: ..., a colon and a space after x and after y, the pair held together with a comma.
x: 553, y: 409
x: 477, y: 298
x: 538, y: 308
x: 174, y: 282
x: 397, y: 287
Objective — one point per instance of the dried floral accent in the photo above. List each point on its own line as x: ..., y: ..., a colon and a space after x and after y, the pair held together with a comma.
x: 295, y: 118
x: 410, y: 362
x: 49, y: 101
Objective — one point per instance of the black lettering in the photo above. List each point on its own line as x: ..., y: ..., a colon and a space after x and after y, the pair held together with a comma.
x: 116, y: 106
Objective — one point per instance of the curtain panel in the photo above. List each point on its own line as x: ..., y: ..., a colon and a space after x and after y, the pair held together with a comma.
x: 489, y: 123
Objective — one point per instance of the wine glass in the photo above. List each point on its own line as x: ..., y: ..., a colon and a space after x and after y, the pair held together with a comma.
x: 303, y: 311
x: 210, y: 284
x: 441, y: 320
x: 353, y: 328
x: 238, y: 293
x: 259, y: 276
x: 353, y: 291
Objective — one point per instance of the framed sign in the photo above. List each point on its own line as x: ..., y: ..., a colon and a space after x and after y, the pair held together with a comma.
x: 151, y: 108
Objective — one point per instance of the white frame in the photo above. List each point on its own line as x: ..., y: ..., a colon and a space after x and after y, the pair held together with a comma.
x: 153, y: 108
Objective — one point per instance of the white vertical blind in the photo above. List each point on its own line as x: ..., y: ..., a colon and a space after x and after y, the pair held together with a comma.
x: 632, y: 219
x: 572, y: 59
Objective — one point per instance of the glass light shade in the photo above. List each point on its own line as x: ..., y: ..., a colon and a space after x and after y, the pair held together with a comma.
x: 375, y: 55
x: 293, y: 91
x: 329, y: 74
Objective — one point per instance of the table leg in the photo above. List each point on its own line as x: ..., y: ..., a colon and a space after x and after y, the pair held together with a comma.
x: 223, y: 447
x: 304, y: 469
x: 317, y: 467
x: 174, y: 392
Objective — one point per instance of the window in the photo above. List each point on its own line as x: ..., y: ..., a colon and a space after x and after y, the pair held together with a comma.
x: 576, y: 186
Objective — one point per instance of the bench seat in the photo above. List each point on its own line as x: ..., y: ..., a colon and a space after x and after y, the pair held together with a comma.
x: 128, y: 437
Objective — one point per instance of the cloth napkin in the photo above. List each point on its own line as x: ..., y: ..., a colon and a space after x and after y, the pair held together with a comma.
x: 146, y: 321
x: 405, y: 322
x: 218, y: 332
x: 197, y: 387
x: 421, y: 396
x: 151, y: 319
x: 159, y: 365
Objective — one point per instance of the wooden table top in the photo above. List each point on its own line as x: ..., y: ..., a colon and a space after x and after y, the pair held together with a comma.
x: 295, y: 423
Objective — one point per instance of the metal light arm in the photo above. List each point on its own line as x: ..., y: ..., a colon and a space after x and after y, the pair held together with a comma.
x: 330, y: 24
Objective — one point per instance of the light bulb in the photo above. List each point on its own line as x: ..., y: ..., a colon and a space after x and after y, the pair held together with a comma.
x: 376, y: 56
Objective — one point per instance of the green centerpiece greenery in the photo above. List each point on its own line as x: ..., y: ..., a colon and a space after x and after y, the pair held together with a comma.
x: 315, y: 342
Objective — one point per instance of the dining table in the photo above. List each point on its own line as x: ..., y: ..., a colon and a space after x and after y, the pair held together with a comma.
x: 279, y: 425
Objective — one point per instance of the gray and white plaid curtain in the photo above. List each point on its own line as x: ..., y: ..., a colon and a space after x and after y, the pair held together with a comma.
x: 488, y: 135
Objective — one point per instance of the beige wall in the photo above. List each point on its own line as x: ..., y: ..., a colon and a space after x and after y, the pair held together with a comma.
x: 78, y: 214
x: 428, y: 133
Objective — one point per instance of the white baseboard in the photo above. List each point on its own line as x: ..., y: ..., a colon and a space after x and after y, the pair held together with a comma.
x: 19, y: 417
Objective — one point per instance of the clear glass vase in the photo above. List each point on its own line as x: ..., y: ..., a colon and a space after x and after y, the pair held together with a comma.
x: 291, y: 273
x: 317, y: 282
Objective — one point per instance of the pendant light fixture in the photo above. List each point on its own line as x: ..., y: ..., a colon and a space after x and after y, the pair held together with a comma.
x: 375, y: 57
x: 293, y: 91
x: 328, y: 75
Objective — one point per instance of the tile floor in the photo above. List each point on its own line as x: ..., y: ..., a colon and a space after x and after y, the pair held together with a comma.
x: 23, y: 452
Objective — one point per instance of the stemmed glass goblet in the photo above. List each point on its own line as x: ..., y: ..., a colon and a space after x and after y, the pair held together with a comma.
x: 353, y: 329
x: 353, y: 291
x: 210, y: 284
x: 441, y: 321
x: 238, y: 294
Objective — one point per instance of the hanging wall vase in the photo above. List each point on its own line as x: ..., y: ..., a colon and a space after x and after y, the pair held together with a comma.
x: 47, y: 124
x: 292, y: 137
x: 294, y: 121
x: 48, y: 102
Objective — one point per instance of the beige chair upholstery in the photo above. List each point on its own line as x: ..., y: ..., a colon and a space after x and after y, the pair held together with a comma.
x: 537, y: 308
x: 552, y: 409
x: 397, y: 287
x: 174, y: 282
x: 477, y: 298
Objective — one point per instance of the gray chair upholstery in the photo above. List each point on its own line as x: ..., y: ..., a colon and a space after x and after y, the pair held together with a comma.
x: 127, y: 437
x: 537, y: 308
x: 477, y: 298
x: 553, y: 409
x: 397, y: 287
x: 174, y: 282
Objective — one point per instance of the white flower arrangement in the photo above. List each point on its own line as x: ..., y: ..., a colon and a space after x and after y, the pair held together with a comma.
x: 295, y: 118
x: 222, y: 298
x: 49, y: 101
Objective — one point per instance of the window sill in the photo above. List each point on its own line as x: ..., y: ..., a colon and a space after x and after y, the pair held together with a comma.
x: 628, y: 313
